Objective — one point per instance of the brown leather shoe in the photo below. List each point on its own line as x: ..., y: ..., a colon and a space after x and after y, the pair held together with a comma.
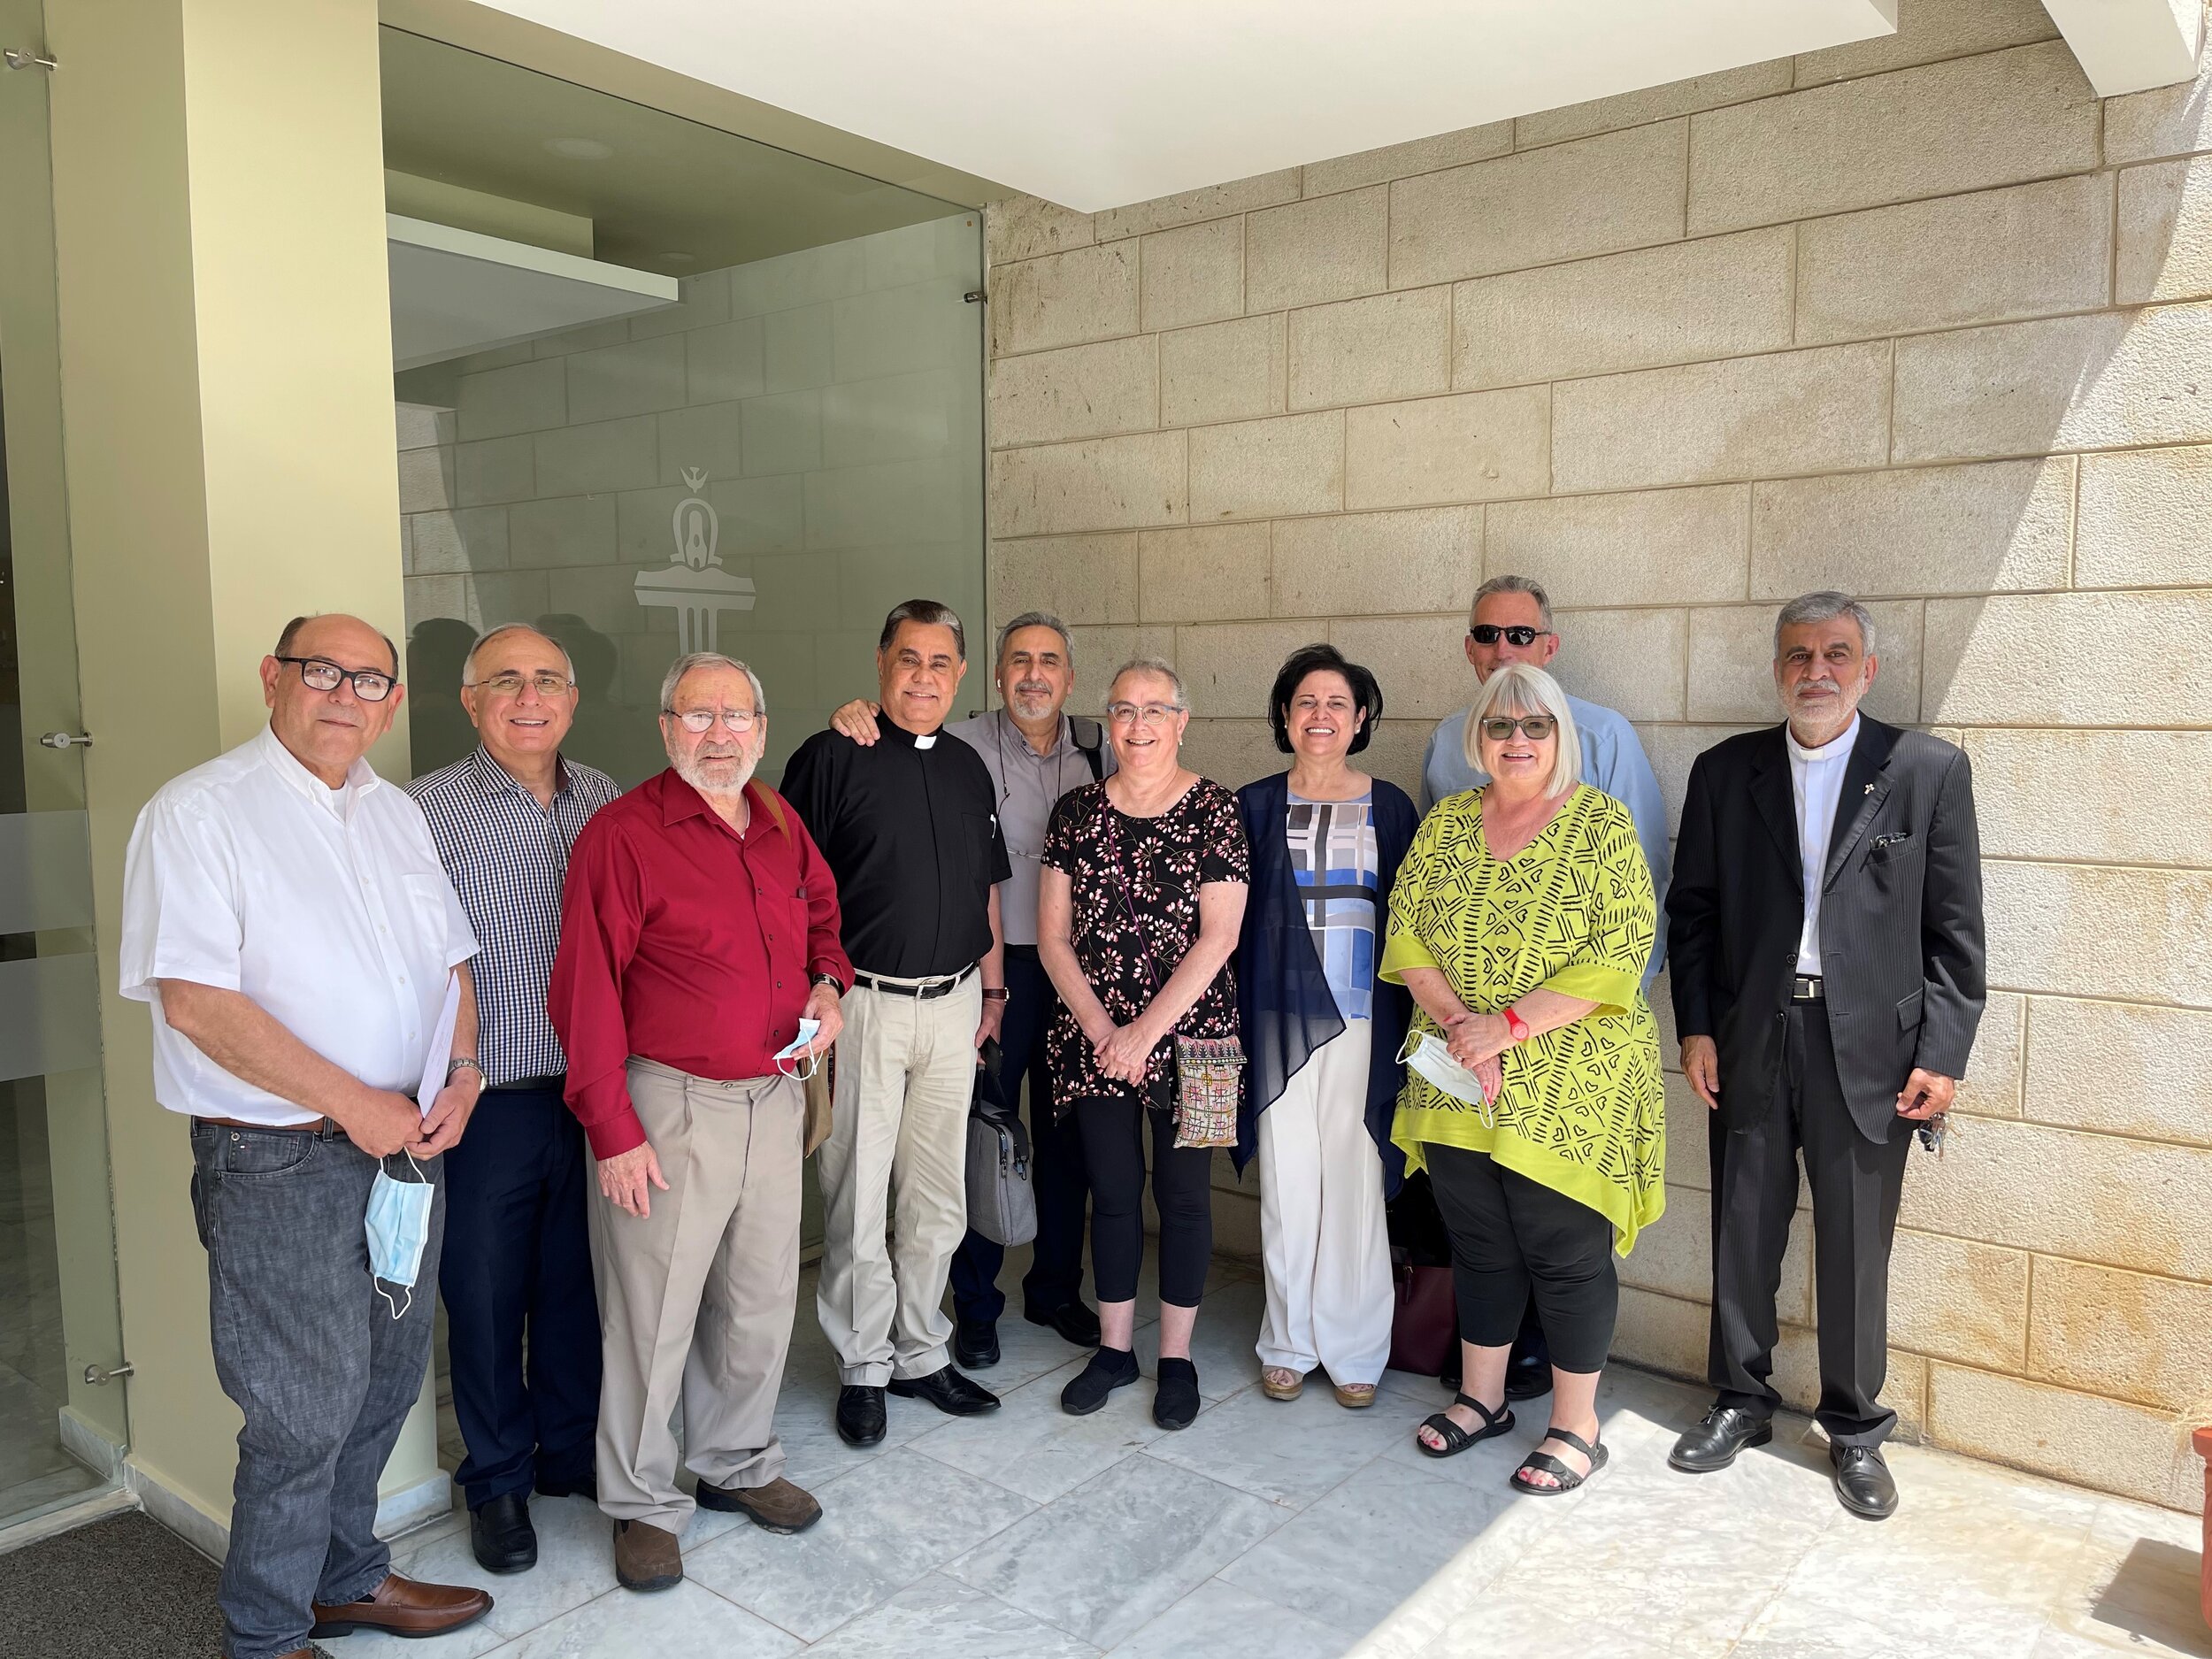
x: 780, y: 1507
x: 646, y: 1557
x: 401, y: 1607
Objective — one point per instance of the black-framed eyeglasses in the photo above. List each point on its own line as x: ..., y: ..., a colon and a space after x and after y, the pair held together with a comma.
x: 1498, y: 727
x: 1519, y: 634
x: 546, y: 683
x: 318, y: 674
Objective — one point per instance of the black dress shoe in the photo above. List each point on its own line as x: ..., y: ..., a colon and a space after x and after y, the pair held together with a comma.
x: 948, y: 1391
x: 860, y: 1419
x: 1527, y: 1375
x: 1714, y: 1443
x: 501, y: 1535
x: 1863, y: 1483
x: 582, y: 1486
x: 1075, y: 1321
x: 975, y: 1343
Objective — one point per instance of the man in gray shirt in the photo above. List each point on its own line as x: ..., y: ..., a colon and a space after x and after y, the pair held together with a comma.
x: 1036, y: 753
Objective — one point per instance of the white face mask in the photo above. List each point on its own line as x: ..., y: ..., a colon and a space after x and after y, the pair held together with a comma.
x: 1429, y: 1054
x: 803, y: 1063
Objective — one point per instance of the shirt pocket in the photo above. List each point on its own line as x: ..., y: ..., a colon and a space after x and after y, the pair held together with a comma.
x: 423, y: 918
x: 978, y: 838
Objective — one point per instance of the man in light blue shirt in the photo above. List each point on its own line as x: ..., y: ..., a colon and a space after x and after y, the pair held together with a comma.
x: 1512, y: 623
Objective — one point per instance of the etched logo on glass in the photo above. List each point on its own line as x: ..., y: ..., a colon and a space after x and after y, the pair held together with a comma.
x: 694, y: 585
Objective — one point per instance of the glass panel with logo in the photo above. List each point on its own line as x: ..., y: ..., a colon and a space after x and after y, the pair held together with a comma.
x: 660, y: 389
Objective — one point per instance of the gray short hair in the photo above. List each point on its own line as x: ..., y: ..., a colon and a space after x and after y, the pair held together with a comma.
x: 1151, y: 665
x: 1525, y: 688
x: 690, y: 660
x: 1527, y: 585
x: 1035, y: 620
x: 468, y: 663
x: 1822, y: 607
x: 930, y: 614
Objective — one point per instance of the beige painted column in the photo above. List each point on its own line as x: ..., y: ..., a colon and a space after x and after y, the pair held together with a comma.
x: 225, y: 363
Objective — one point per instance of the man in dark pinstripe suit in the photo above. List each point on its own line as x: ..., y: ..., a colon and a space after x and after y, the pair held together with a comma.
x: 1824, y: 933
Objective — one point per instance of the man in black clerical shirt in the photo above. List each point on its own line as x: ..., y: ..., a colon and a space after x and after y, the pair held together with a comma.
x: 909, y: 827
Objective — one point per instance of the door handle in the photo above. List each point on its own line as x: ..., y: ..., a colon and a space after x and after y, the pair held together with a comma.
x: 65, y: 740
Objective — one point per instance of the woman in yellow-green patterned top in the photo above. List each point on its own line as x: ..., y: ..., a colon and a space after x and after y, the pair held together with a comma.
x: 1521, y: 922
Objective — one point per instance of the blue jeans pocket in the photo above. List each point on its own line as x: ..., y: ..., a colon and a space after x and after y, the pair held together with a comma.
x: 262, y: 1152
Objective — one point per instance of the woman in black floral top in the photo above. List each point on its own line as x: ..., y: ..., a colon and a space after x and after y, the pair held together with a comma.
x: 1154, y: 848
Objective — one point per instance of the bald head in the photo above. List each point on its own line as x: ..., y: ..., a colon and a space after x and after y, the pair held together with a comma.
x: 327, y: 731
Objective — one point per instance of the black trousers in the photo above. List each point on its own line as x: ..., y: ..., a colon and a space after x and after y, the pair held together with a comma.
x: 1515, y: 1240
x: 1182, y: 1188
x: 517, y: 1277
x: 1856, y: 1184
x: 1056, y: 1171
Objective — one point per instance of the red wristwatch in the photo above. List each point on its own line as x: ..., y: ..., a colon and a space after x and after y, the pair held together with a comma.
x: 1514, y: 1025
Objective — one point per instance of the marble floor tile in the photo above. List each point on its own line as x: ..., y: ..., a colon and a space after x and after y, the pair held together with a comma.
x: 1026, y: 1352
x: 1354, y: 1555
x: 883, y: 1526
x: 1286, y: 1451
x: 1221, y: 1341
x: 1220, y: 1621
x: 939, y: 1617
x: 1032, y: 1446
x: 684, y: 1623
x: 1120, y: 1548
x: 1509, y: 1621
x: 2143, y: 1593
x: 806, y: 1422
x: 470, y: 1643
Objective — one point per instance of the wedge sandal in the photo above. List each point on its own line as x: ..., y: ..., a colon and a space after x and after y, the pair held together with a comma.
x: 1275, y: 1390
x: 1457, y: 1439
x: 1546, y: 1462
x: 1355, y: 1396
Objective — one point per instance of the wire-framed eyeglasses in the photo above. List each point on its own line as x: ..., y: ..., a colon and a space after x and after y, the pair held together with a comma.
x: 703, y: 720
x: 545, y: 682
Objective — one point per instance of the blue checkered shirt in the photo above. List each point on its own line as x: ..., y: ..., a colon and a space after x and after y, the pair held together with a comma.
x: 508, y: 856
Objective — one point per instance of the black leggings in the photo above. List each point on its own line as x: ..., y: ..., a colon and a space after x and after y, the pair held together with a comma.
x: 1513, y: 1238
x: 1182, y: 1183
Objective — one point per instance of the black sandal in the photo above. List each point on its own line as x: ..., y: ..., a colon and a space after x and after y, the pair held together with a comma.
x: 1457, y: 1439
x: 1568, y: 1478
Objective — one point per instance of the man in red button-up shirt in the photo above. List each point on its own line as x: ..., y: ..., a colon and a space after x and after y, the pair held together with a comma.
x: 699, y: 925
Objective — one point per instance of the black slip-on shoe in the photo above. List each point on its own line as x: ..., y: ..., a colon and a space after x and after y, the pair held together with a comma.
x: 1863, y: 1483
x: 860, y: 1418
x: 1111, y: 1367
x: 1175, y: 1400
x: 1713, y: 1444
x: 1075, y: 1321
x: 948, y: 1391
x: 975, y: 1343
x: 501, y: 1535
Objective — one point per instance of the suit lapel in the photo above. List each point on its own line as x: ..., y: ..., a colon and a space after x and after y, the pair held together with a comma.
x: 1776, y: 803
x: 1865, y: 790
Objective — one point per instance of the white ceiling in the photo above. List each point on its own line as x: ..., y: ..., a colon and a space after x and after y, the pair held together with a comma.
x: 1095, y: 104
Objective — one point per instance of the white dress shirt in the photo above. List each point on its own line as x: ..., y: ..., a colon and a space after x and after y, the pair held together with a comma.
x: 1817, y: 782
x: 327, y: 907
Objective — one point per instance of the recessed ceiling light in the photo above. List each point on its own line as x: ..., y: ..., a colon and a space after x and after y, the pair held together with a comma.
x: 579, y: 149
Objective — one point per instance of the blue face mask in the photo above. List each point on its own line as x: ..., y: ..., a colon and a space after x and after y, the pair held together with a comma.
x: 399, y: 1230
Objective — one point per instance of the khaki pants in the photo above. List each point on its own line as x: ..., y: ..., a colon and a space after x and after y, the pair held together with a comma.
x: 894, y: 1180
x: 695, y: 1299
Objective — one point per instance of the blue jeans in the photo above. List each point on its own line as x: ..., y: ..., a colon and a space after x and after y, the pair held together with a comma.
x: 314, y: 1357
x: 516, y: 1217
x: 1056, y: 1164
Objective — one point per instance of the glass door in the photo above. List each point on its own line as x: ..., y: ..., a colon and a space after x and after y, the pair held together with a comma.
x: 63, y: 1422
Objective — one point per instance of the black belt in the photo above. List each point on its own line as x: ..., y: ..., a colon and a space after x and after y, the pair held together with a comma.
x: 922, y: 992
x: 1808, y: 988
x: 529, y: 1086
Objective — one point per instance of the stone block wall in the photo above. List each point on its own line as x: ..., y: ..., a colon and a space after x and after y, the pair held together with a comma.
x: 1920, y: 318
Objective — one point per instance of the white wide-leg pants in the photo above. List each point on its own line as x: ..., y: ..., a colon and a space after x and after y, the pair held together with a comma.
x: 1321, y: 1233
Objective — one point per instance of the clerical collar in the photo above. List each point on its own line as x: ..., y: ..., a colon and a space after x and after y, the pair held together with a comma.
x: 891, y: 728
x: 1833, y: 749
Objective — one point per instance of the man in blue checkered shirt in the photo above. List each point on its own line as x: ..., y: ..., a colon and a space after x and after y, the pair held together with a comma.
x: 517, y: 1258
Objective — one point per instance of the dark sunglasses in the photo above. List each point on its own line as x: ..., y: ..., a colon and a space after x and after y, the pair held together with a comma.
x: 1498, y: 727
x: 1487, y: 632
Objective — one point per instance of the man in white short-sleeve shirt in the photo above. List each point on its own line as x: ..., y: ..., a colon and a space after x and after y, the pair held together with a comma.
x: 286, y: 915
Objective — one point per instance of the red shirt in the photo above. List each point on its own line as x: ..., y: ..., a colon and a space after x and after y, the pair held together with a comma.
x: 685, y: 942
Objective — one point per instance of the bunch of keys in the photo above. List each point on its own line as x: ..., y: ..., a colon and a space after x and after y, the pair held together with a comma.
x: 1933, y: 1131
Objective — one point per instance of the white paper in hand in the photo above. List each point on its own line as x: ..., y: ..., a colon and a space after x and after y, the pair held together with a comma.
x: 440, y: 1051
